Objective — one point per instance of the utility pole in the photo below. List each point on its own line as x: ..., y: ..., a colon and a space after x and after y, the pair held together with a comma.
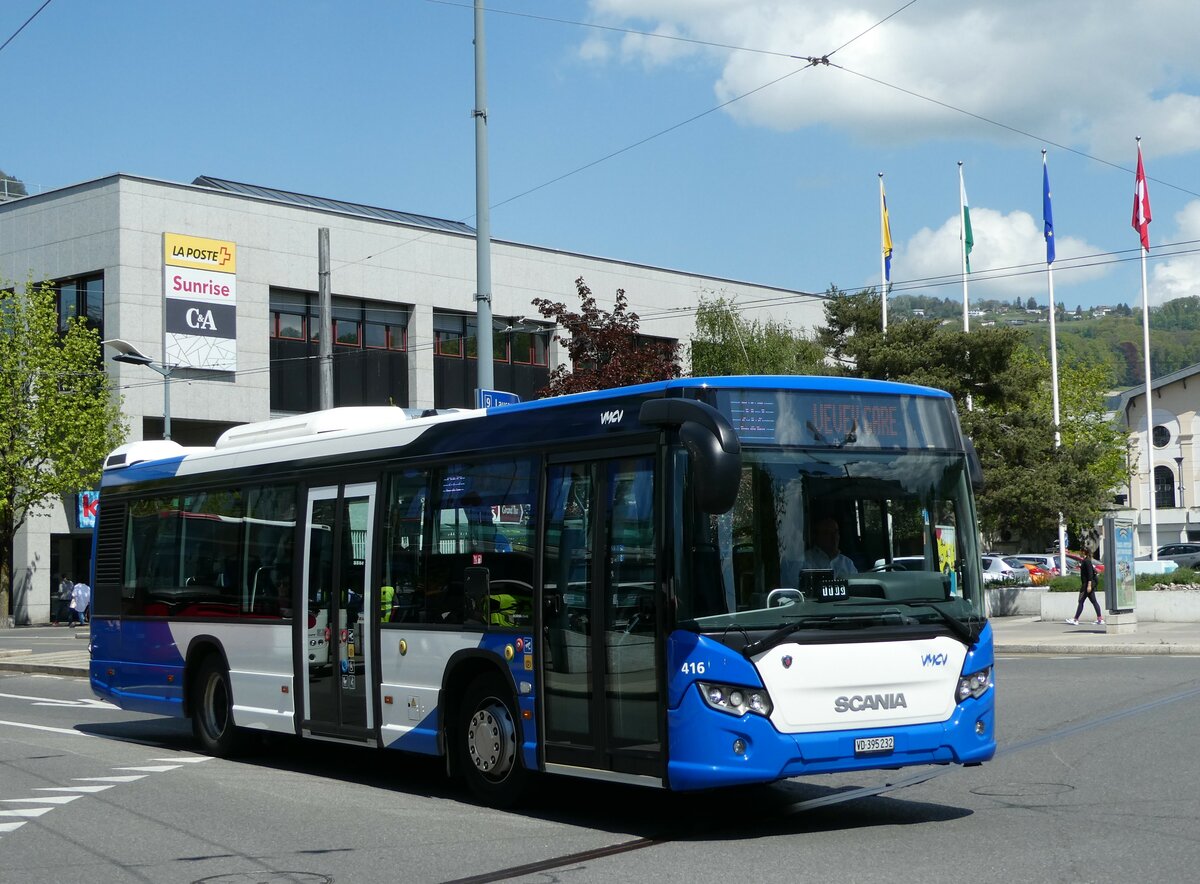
x: 325, y: 343
x: 483, y: 222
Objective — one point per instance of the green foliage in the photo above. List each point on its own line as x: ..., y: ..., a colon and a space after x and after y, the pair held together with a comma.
x: 10, y: 186
x: 1028, y: 480
x: 728, y: 344
x: 58, y: 415
x: 605, y: 348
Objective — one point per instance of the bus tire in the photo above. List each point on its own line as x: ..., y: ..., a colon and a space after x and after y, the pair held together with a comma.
x: 212, y: 709
x: 488, y: 743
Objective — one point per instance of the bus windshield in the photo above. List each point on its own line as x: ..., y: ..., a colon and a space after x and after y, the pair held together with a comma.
x: 836, y: 538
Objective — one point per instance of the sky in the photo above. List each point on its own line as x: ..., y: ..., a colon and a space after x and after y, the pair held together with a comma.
x: 687, y: 134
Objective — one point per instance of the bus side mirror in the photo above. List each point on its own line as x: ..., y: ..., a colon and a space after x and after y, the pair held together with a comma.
x: 715, y: 450
x: 974, y: 467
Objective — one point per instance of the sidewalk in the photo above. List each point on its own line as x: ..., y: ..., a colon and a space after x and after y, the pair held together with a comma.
x: 1032, y: 635
x: 1013, y: 635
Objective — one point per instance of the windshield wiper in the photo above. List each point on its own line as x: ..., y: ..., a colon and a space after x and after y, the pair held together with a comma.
x: 815, y: 621
x: 960, y: 629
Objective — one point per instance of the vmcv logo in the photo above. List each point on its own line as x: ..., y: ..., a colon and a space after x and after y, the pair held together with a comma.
x: 611, y: 417
x: 935, y: 659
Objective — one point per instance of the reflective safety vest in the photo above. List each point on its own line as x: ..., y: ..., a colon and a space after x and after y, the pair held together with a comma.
x: 386, y: 594
x: 509, y: 610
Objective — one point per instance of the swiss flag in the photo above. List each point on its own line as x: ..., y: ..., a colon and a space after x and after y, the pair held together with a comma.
x: 1141, y: 204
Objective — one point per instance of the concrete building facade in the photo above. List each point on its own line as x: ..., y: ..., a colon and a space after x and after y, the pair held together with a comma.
x: 403, y: 313
x: 1167, y: 468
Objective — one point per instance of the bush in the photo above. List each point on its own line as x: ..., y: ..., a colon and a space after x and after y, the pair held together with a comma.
x: 1178, y: 578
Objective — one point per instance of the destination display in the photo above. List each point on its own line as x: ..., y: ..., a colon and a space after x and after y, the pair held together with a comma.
x: 861, y: 420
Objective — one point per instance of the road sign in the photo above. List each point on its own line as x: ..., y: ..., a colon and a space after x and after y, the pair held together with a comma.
x: 494, y: 398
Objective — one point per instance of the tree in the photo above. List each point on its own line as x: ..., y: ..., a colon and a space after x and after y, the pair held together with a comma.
x: 1031, y: 304
x: 606, y: 349
x: 1028, y: 481
x: 10, y: 186
x: 725, y: 343
x: 58, y: 415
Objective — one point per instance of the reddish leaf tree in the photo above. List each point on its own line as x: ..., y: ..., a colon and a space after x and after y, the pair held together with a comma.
x: 606, y: 349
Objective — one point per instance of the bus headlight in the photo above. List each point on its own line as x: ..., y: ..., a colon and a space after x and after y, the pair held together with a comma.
x: 974, y: 685
x: 735, y: 699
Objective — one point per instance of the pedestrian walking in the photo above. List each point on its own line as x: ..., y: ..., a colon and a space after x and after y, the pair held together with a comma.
x: 1087, y: 590
x: 62, y: 602
x: 81, y: 601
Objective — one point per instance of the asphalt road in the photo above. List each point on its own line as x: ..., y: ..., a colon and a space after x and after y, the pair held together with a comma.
x: 1097, y: 779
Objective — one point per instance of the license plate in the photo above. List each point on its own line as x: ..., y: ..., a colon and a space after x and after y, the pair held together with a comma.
x: 874, y: 744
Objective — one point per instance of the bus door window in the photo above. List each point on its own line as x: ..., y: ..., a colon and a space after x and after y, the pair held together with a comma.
x: 403, y: 582
x: 567, y: 577
x: 483, y: 516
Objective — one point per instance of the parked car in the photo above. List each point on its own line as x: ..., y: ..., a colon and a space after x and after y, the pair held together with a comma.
x: 1038, y: 575
x: 1048, y: 561
x: 1185, y: 555
x: 1078, y: 560
x: 996, y: 570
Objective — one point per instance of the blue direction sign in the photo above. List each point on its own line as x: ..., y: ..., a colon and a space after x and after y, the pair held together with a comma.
x: 495, y: 398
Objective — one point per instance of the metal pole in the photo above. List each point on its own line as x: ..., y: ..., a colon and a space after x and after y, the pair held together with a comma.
x: 1149, y: 417
x: 325, y: 345
x: 483, y: 222
x: 166, y: 373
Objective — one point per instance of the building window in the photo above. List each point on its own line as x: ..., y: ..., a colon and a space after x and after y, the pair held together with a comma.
x: 1161, y: 436
x: 1164, y: 488
x: 82, y: 296
x: 370, y: 364
x: 529, y: 348
x: 448, y: 343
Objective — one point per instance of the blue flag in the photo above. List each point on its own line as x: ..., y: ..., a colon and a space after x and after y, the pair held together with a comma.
x: 1047, y: 215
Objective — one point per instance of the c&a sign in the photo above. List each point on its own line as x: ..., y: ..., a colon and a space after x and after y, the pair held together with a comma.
x: 200, y: 302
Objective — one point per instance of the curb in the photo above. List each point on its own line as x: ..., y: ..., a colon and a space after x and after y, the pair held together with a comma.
x: 29, y: 666
x: 1129, y: 650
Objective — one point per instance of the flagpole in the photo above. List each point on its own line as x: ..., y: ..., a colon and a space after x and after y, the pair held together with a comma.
x: 1048, y: 222
x: 962, y: 236
x: 885, y: 248
x: 1141, y: 223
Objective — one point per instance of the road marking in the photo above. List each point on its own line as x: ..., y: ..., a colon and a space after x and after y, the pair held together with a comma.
x: 86, y: 789
x: 156, y: 768
x: 45, y: 799
x: 11, y: 827
x: 83, y: 703
x: 189, y: 760
x: 109, y: 779
x: 42, y: 727
x: 27, y: 811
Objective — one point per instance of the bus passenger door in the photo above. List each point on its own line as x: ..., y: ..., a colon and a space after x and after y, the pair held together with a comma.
x: 601, y: 648
x: 337, y: 600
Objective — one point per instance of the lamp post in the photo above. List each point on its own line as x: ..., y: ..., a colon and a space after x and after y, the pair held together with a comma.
x: 130, y: 354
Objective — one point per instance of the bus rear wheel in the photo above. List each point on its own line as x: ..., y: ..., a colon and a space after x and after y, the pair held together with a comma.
x: 212, y: 709
x: 488, y: 743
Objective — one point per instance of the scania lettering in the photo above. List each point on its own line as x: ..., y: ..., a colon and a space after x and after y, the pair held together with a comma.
x: 871, y: 701
x: 378, y: 576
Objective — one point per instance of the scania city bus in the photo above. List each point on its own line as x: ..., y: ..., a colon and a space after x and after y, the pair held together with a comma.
x: 624, y: 584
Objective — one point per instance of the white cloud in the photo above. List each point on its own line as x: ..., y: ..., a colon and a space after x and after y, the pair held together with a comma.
x: 1070, y: 72
x: 1178, y: 276
x: 1008, y: 258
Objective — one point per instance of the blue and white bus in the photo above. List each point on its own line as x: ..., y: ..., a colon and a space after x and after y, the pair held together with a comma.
x: 623, y: 585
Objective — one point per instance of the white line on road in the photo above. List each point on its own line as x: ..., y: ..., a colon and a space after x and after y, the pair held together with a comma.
x: 45, y: 799
x: 43, y: 727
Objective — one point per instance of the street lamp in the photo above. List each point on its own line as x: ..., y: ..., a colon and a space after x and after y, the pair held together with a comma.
x: 130, y: 354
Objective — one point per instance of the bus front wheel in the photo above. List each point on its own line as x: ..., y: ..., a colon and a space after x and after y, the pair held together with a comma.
x: 487, y: 735
x: 212, y: 709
